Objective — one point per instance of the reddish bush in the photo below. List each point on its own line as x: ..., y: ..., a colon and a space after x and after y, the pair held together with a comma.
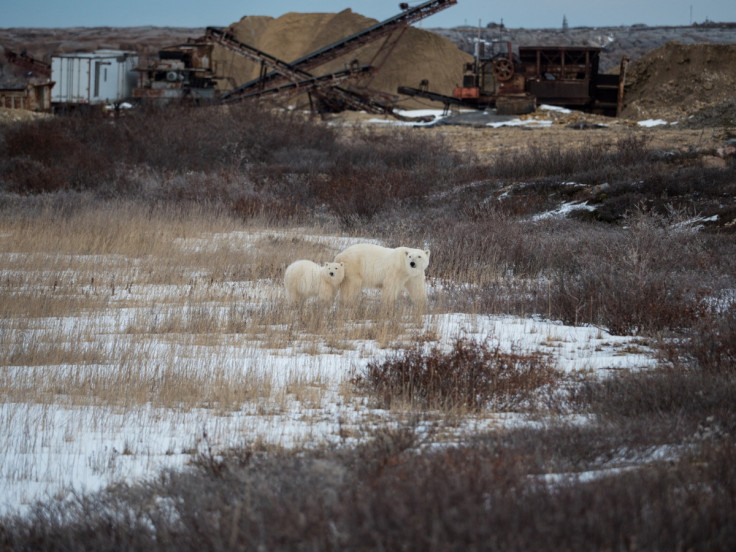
x: 471, y: 375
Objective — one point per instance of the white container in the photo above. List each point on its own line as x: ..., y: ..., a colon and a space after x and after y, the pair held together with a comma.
x: 104, y: 76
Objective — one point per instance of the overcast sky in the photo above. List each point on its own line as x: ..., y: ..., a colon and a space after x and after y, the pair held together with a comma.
x: 514, y: 13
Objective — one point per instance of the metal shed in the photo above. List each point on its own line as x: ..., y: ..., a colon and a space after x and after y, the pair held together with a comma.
x: 103, y: 76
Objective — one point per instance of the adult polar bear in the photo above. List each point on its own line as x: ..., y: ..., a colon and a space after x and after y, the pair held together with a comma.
x: 374, y: 266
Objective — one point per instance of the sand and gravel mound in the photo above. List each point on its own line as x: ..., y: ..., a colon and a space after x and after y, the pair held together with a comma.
x: 11, y: 116
x: 418, y: 55
x: 681, y: 82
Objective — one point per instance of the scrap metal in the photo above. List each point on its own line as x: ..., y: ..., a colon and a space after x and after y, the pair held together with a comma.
x: 29, y: 63
x: 565, y: 76
x: 183, y: 73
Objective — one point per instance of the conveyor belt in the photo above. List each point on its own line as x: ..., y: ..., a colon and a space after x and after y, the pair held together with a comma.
x: 341, y: 47
x: 305, y: 85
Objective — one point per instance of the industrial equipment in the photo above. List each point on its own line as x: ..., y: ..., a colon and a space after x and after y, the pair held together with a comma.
x: 385, y: 29
x: 182, y: 73
x: 28, y: 63
x: 514, y: 82
x: 100, y: 77
x: 183, y: 76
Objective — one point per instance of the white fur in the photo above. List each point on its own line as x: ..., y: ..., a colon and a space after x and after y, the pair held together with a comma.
x: 373, y: 266
x: 305, y: 279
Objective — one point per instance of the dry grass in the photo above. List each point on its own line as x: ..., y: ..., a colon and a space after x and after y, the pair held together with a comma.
x: 116, y: 316
x: 160, y: 311
x: 118, y: 304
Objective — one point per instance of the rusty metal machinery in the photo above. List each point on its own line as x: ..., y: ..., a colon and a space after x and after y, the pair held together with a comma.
x: 503, y: 69
x: 310, y: 84
x: 278, y: 78
x: 341, y: 47
x: 329, y: 95
x: 29, y: 63
x: 568, y: 76
x: 182, y: 73
x: 228, y: 41
x: 565, y: 76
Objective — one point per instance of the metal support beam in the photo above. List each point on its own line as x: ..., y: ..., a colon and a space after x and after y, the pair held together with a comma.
x: 350, y: 43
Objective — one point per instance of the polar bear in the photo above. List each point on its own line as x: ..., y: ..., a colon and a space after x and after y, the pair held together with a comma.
x: 373, y: 266
x: 305, y: 279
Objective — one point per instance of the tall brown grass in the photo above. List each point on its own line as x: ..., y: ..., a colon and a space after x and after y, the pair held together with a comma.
x: 89, y: 291
x: 138, y: 258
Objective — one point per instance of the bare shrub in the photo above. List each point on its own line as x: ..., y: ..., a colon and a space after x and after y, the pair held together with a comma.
x: 26, y: 175
x: 535, y: 162
x: 269, y: 209
x: 389, y: 497
x: 621, y: 301
x: 398, y: 149
x: 354, y: 196
x: 664, y: 188
x: 85, y: 150
x: 253, y: 159
x: 470, y: 376
x: 654, y: 274
x: 632, y: 149
x: 644, y: 278
x: 373, y: 173
x: 625, y: 174
x: 707, y: 346
x: 51, y: 155
x: 594, y: 163
x: 478, y: 249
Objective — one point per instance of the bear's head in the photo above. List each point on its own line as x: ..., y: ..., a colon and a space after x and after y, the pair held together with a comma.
x: 417, y: 260
x: 334, y: 273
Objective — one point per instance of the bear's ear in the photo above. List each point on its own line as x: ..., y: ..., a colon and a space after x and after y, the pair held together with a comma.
x: 406, y: 253
x: 342, y: 264
x: 426, y: 252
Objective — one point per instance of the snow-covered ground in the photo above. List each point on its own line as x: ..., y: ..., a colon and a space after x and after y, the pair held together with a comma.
x: 285, y: 394
x: 542, y: 118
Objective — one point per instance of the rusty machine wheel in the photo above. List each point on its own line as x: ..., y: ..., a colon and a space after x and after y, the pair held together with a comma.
x: 503, y: 69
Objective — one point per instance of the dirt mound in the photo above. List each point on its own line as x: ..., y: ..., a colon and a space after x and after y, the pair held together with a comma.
x: 12, y: 116
x: 722, y: 115
x: 677, y: 81
x: 418, y: 55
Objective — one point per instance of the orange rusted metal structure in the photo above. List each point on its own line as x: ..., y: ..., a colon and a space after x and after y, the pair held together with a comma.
x: 514, y: 82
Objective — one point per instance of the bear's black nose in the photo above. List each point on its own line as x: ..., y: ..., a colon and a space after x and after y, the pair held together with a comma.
x: 332, y: 273
x: 413, y: 264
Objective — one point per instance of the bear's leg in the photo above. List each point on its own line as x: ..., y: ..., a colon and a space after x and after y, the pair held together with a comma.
x: 296, y: 299
x: 326, y: 292
x: 417, y: 289
x: 292, y: 294
x: 350, y: 288
x: 391, y: 291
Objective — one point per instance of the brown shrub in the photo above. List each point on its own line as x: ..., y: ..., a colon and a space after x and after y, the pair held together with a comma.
x: 470, y: 376
x: 708, y: 345
x: 391, y: 495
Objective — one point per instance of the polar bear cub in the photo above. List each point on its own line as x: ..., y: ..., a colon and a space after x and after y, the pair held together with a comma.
x: 305, y: 279
x: 374, y: 266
